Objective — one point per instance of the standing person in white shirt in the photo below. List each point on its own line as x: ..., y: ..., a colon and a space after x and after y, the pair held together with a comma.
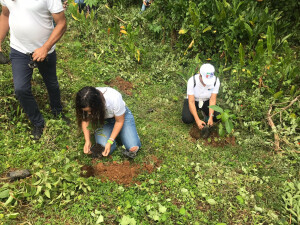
x: 202, y: 91
x: 32, y: 42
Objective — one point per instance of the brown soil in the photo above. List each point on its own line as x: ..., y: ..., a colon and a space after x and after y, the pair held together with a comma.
x: 214, y: 139
x: 122, y: 173
x: 122, y: 85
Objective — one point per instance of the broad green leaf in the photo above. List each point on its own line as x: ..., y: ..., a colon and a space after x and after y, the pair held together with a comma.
x: 182, y: 211
x: 249, y: 29
x: 151, y: 181
x: 9, y: 200
x: 240, y: 200
x: 211, y: 201
x: 100, y: 219
x: 278, y: 94
x: 216, y: 108
x: 292, y: 91
x: 182, y: 31
x: 12, y: 215
x: 47, y: 193
x: 225, y: 116
x: 228, y: 126
x: 221, y: 130
x: 184, y: 190
x: 258, y: 209
x: 127, y: 220
x: 38, y: 190
x: 259, y: 48
x: 162, y: 209
x: 4, y: 194
x: 207, y: 29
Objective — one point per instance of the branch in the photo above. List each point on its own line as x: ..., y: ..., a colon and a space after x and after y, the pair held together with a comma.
x: 272, y: 125
x: 120, y: 19
x: 285, y: 108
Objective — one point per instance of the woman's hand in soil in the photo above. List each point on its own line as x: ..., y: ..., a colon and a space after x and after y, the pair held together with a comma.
x: 201, y: 124
x: 86, y: 148
x: 210, y: 121
x: 106, y: 150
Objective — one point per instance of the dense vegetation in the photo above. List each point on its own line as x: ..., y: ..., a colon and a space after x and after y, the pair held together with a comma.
x: 255, y: 47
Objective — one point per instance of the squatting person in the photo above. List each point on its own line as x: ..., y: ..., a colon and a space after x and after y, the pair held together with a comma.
x: 202, y: 91
x: 32, y: 42
x: 105, y: 110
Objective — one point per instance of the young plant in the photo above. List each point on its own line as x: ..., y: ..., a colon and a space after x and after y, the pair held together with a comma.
x: 225, y: 116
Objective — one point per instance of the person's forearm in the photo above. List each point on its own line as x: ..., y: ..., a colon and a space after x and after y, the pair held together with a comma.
x: 85, y: 130
x: 212, y: 101
x: 4, y: 26
x: 56, y: 34
x: 193, y: 110
x: 116, y: 130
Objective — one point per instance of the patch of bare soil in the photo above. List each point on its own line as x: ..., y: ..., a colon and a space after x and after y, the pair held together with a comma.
x: 122, y: 85
x: 122, y: 173
x: 214, y: 139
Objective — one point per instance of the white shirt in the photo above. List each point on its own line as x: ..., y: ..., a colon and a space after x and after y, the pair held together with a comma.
x: 31, y: 22
x: 200, y: 92
x: 115, y: 106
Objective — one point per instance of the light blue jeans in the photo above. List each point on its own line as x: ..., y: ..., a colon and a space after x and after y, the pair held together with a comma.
x: 128, y: 135
x: 144, y: 7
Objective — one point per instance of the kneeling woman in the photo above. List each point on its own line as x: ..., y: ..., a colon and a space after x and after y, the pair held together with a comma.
x: 202, y: 91
x: 105, y: 109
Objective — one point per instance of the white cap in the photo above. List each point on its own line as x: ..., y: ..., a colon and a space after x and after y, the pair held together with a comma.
x: 207, y: 72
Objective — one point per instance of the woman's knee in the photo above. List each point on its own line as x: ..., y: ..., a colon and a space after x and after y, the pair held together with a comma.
x: 134, y: 149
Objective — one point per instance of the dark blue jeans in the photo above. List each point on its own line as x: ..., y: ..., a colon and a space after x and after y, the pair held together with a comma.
x: 22, y: 76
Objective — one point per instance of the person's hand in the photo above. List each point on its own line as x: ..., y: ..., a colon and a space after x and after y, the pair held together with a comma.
x: 106, y: 150
x: 200, y: 124
x: 87, y: 147
x: 210, y: 121
x: 40, y: 54
x: 65, y: 4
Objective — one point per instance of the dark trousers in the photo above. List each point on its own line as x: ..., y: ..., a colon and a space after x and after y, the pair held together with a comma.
x: 22, y: 76
x: 187, y: 116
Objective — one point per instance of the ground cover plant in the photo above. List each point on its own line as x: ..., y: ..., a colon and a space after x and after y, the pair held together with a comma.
x: 248, y: 176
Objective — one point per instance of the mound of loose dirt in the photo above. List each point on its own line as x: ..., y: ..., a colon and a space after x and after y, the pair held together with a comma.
x: 122, y: 85
x: 122, y: 173
x: 214, y: 139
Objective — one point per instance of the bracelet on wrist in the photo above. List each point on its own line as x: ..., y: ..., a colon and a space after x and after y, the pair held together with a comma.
x: 110, y: 141
x: 211, y: 115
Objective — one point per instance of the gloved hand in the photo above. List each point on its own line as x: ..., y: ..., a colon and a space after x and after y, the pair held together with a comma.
x: 3, y: 59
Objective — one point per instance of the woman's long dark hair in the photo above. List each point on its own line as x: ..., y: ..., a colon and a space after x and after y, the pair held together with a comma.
x: 90, y: 97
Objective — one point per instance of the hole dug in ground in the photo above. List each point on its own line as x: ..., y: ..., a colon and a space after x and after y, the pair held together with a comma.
x: 121, y: 173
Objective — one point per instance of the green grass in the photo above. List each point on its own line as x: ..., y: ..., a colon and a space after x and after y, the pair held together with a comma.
x: 195, y: 184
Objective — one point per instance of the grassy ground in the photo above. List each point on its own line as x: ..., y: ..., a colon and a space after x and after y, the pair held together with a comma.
x: 195, y: 183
